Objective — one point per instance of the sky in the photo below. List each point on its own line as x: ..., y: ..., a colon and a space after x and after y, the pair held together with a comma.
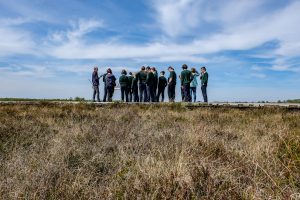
x: 251, y: 49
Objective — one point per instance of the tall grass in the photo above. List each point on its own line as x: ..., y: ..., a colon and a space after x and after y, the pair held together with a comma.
x: 148, y: 152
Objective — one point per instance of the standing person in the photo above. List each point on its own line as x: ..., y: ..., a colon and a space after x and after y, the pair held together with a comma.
x: 110, y: 83
x: 204, y: 82
x: 194, y: 84
x: 186, y: 77
x: 181, y: 90
x: 171, y: 84
x: 162, y: 84
x: 135, y: 88
x: 141, y: 77
x: 155, y: 81
x: 95, y: 81
x: 104, y: 88
x: 150, y: 81
x: 130, y: 92
x: 124, y: 84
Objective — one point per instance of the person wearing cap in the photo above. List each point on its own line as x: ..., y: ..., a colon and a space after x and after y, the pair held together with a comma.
x: 186, y: 78
x: 172, y: 84
x: 162, y: 84
x: 150, y: 81
x: 95, y: 81
x: 141, y: 77
x: 130, y: 92
x: 124, y: 84
x: 204, y: 82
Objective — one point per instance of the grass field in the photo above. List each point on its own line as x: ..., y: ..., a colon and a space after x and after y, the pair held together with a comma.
x: 148, y: 152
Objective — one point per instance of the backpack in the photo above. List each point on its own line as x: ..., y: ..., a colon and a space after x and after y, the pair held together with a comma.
x: 110, y: 80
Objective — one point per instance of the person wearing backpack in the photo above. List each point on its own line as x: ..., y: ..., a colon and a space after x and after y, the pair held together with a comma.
x: 162, y: 84
x: 141, y: 77
x: 110, y: 84
x: 130, y: 92
x: 194, y: 84
x: 124, y: 84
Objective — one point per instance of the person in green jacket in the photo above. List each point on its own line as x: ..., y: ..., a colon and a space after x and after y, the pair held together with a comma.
x: 186, y: 78
x: 204, y: 82
x: 141, y: 77
x: 172, y: 84
x: 130, y: 92
x: 124, y: 84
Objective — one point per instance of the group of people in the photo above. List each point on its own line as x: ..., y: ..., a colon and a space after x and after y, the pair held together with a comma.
x: 147, y: 86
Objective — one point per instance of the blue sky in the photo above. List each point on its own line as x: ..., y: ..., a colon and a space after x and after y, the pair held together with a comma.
x: 251, y: 48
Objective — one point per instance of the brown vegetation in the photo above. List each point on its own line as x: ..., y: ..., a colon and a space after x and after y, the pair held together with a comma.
x: 148, y: 152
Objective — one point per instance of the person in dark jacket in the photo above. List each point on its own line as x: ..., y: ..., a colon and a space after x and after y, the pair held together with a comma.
x: 95, y: 81
x: 110, y: 83
x: 162, y: 84
x: 124, y: 84
x: 150, y: 81
x: 135, y: 88
x: 204, y: 82
x: 155, y: 81
x: 172, y: 84
x: 141, y: 77
x: 130, y: 92
x: 186, y: 78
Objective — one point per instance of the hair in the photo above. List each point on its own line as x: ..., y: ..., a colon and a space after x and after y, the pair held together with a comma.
x: 184, y: 66
x: 148, y: 68
x: 130, y: 73
x: 109, y: 71
x: 170, y: 67
x: 95, y: 68
x: 193, y: 70
x: 143, y: 68
x: 162, y: 72
x: 124, y: 72
x: 203, y: 68
x: 154, y: 69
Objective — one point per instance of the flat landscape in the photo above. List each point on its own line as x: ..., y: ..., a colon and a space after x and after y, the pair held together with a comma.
x: 168, y: 151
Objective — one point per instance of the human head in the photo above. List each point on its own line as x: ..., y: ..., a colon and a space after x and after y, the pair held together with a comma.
x: 203, y: 69
x: 162, y: 73
x: 109, y: 71
x: 170, y: 68
x: 130, y: 73
x: 184, y: 66
x: 143, y: 68
x: 124, y: 72
x: 95, y: 69
x: 154, y: 69
x: 193, y: 70
x: 148, y: 68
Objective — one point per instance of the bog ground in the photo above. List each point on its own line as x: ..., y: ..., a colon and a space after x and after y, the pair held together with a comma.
x: 120, y: 151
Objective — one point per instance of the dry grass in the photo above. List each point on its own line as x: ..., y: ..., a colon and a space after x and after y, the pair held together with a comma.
x: 148, y: 152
